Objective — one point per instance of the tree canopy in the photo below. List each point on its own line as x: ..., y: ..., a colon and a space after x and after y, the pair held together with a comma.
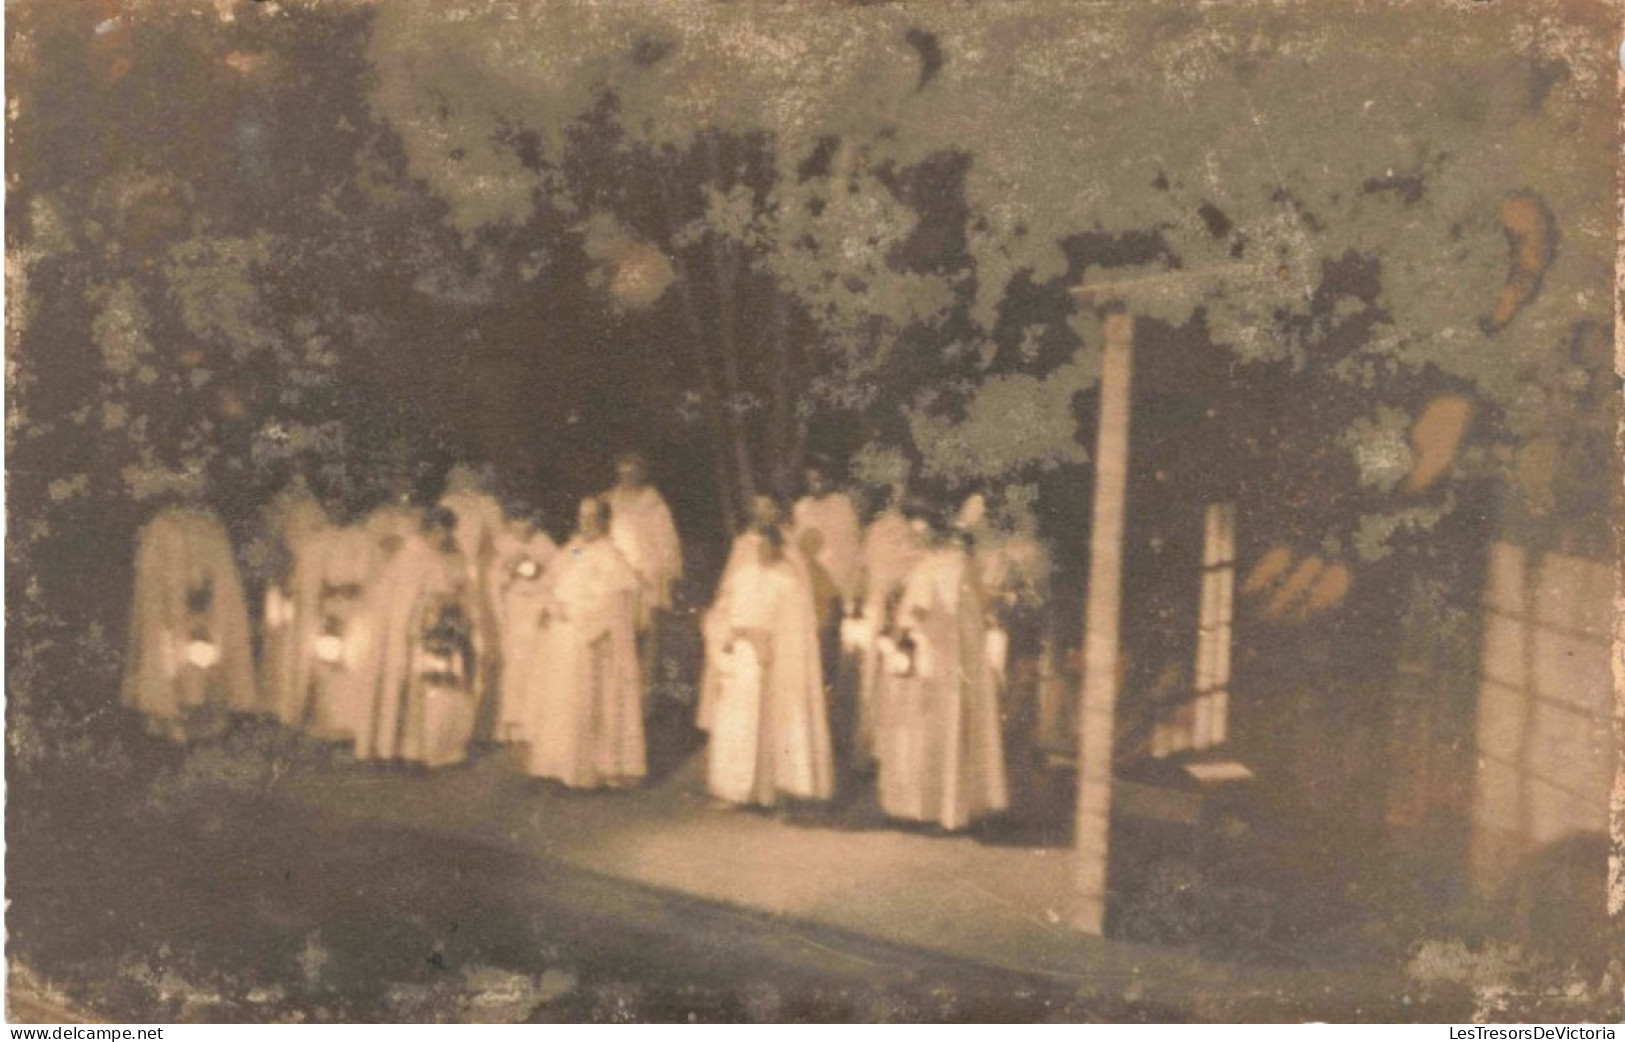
x: 945, y: 196
x: 250, y: 232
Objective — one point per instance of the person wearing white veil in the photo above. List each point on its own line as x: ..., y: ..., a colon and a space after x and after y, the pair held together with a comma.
x: 765, y: 513
x: 769, y: 729
x: 189, y: 661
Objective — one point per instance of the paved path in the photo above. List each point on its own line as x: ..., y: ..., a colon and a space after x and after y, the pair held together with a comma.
x: 263, y: 879
x: 298, y: 900
x: 950, y: 896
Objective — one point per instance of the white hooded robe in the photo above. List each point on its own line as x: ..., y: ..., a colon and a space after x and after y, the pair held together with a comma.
x: 768, y: 723
x: 189, y: 648
x: 938, y: 737
x: 400, y: 701
x: 480, y: 522
x: 585, y: 702
x: 641, y: 528
x: 746, y: 550
x: 827, y: 531
x: 329, y: 590
x: 517, y: 568
x: 890, y: 551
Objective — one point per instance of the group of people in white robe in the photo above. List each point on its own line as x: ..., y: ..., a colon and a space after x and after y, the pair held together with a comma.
x: 816, y: 613
x: 415, y: 634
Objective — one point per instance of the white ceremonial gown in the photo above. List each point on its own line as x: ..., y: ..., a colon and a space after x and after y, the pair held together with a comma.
x: 1014, y: 571
x: 330, y: 585
x: 189, y: 655
x: 826, y: 529
x: 286, y: 521
x: 518, y: 565
x: 293, y: 512
x: 746, y: 550
x: 480, y: 523
x: 769, y: 730
x: 585, y: 703
x: 406, y: 699
x: 938, y: 736
x: 294, y: 521
x: 391, y: 525
x: 641, y: 528
x: 890, y: 552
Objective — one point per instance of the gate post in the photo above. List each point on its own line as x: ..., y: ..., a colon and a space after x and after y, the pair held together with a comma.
x: 1097, y: 718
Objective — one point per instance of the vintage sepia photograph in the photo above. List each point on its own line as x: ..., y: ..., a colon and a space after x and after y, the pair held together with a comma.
x: 702, y: 511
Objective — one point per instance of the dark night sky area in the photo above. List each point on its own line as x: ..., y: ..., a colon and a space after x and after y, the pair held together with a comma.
x: 265, y: 131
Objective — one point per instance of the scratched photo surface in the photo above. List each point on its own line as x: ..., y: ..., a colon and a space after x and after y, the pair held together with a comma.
x: 698, y: 511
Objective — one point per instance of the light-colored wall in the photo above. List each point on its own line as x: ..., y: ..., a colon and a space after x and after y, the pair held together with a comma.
x: 1545, y: 741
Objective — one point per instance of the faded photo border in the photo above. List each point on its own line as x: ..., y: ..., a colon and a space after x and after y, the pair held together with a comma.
x: 1277, y: 346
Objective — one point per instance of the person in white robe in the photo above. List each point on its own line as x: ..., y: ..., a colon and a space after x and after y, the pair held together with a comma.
x: 522, y: 553
x: 1013, y: 566
x: 765, y: 511
x: 769, y: 730
x: 389, y: 527
x: 409, y: 696
x: 334, y: 572
x: 766, y: 514
x: 480, y: 520
x: 642, y: 529
x: 891, y: 549
x: 938, y: 736
x: 189, y: 660
x: 292, y: 513
x: 394, y: 521
x: 294, y: 521
x: 585, y: 706
x: 825, y: 527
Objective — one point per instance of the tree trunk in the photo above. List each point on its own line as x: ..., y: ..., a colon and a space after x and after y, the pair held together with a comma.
x: 802, y: 359
x: 725, y: 271
x: 782, y: 440
x: 711, y: 398
x: 725, y: 268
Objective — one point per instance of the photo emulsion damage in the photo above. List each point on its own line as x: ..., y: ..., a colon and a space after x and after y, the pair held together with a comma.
x: 684, y: 511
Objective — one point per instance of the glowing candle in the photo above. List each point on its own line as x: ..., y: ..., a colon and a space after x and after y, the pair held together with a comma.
x: 202, y: 653
x: 330, y: 647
